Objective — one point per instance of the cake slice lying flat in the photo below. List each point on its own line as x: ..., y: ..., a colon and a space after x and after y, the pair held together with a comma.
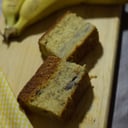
x: 55, y: 89
x: 70, y: 38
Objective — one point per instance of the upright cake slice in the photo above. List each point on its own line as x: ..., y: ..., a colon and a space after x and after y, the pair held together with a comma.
x: 56, y: 88
x: 70, y: 38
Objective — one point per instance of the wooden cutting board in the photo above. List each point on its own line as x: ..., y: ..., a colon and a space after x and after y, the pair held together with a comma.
x: 22, y: 58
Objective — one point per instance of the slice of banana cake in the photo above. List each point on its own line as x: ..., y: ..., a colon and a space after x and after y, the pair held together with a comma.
x: 55, y: 89
x: 70, y: 38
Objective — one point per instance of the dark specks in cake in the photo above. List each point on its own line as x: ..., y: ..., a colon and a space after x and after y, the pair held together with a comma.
x: 39, y: 92
x: 74, y: 78
x: 45, y: 42
x: 71, y: 83
x: 32, y: 99
x: 62, y: 103
x: 51, y: 94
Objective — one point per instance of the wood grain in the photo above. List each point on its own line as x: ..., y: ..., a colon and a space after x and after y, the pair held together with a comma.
x: 21, y: 59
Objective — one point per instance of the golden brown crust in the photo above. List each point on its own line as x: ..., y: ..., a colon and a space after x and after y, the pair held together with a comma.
x: 39, y: 79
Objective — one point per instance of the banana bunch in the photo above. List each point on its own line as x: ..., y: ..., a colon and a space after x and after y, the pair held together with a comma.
x: 10, y: 10
x: 19, y: 14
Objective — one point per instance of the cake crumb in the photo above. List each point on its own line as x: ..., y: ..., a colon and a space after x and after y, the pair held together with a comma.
x: 93, y: 76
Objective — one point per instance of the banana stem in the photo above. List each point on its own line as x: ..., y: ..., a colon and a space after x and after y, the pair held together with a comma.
x: 9, y: 32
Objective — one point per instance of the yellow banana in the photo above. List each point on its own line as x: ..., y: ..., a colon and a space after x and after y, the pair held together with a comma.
x: 10, y: 9
x: 31, y: 11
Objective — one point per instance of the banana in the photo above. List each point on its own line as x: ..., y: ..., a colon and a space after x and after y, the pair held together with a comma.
x: 31, y: 11
x: 10, y: 9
